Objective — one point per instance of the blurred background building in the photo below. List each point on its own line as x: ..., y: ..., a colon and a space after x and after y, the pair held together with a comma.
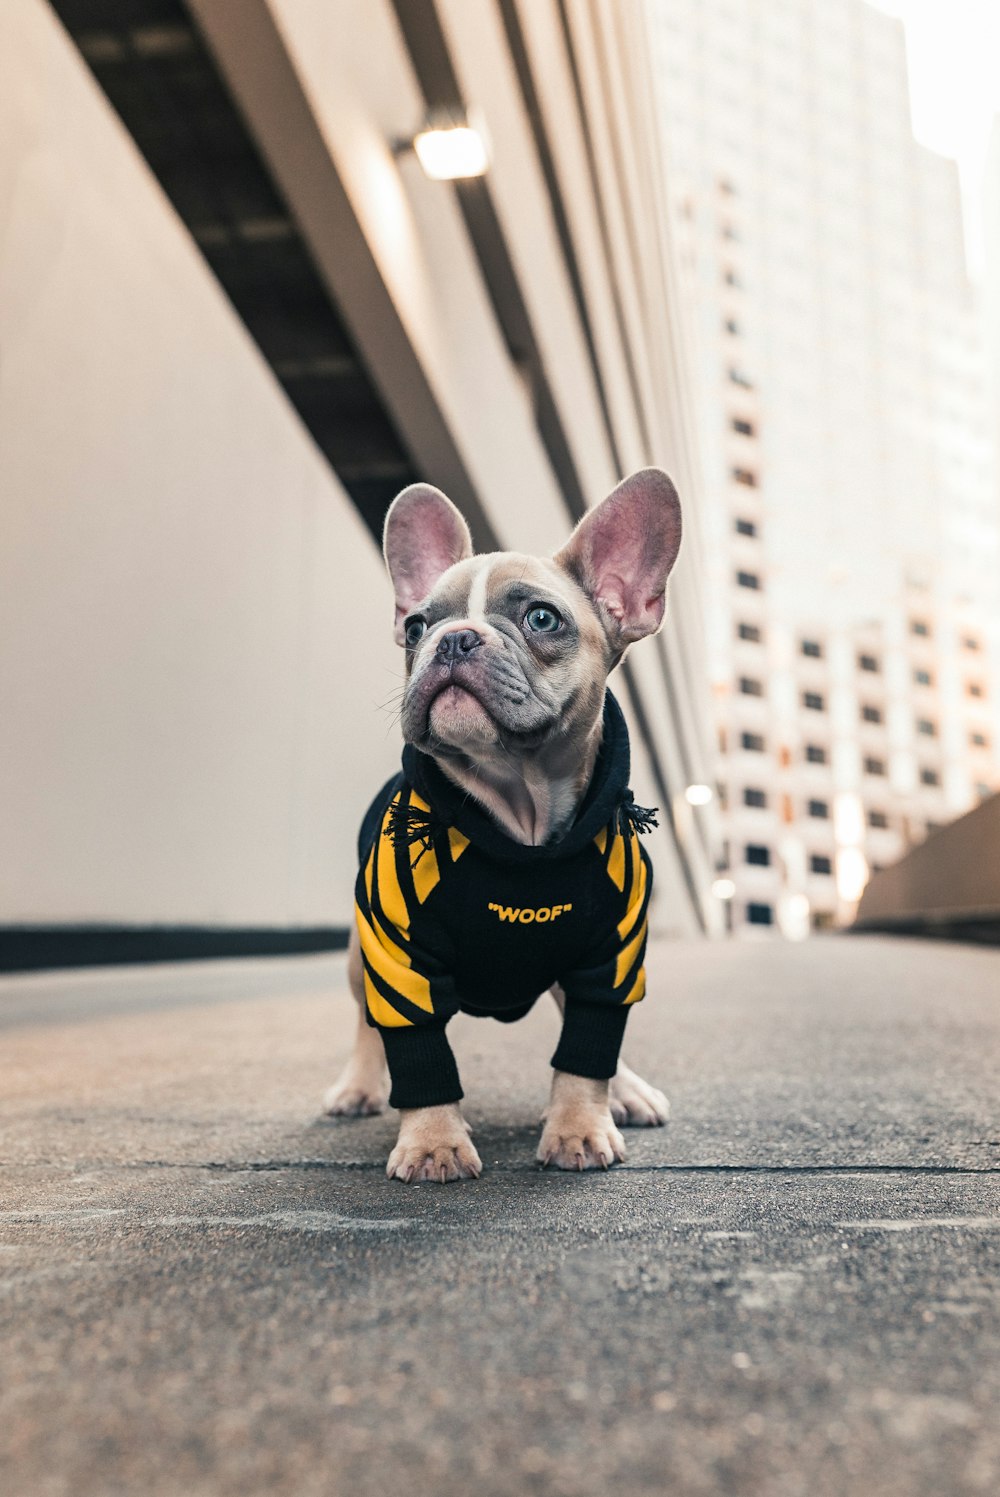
x: 237, y: 317
x: 239, y: 313
x: 852, y: 527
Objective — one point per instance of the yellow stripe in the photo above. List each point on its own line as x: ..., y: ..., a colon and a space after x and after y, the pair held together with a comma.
x: 633, y: 847
x: 381, y: 1011
x: 426, y: 873
x: 402, y: 979
x: 423, y: 861
x: 457, y: 842
x: 389, y: 893
x: 638, y: 988
x: 616, y: 862
x: 369, y: 873
x: 602, y: 839
x: 378, y: 933
x: 627, y: 955
x: 632, y: 913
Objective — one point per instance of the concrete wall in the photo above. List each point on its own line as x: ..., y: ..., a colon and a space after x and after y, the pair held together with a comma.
x: 193, y: 624
x: 949, y: 884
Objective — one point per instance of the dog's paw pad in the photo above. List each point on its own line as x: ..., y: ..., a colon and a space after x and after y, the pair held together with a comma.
x: 347, y: 1100
x: 441, y: 1164
x: 594, y: 1145
x: 636, y: 1104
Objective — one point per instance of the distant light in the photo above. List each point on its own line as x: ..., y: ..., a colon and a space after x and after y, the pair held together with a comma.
x: 451, y: 152
x: 699, y: 795
x: 852, y: 873
x: 723, y: 888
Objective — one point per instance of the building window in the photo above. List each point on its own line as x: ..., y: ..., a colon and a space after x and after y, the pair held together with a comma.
x: 820, y: 863
x: 737, y: 377
x: 925, y: 726
x: 760, y: 914
x: 753, y: 797
x: 923, y: 678
x: 745, y: 527
x: 732, y: 279
x: 745, y: 476
x: 874, y: 766
x: 820, y: 809
x: 920, y: 627
x: 929, y: 777
x: 815, y: 753
x: 871, y: 714
x: 974, y: 688
x: 867, y: 663
x: 970, y: 642
x: 750, y: 632
x: 812, y: 648
x: 752, y: 742
x: 748, y: 579
x: 979, y: 740
x: 756, y: 852
x: 731, y: 326
x: 751, y: 687
x: 878, y: 819
x: 744, y: 427
x: 813, y: 701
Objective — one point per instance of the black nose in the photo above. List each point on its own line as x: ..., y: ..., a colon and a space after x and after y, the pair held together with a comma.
x: 457, y: 645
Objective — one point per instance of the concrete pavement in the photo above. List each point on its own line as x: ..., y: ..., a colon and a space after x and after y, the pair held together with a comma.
x: 793, y: 1289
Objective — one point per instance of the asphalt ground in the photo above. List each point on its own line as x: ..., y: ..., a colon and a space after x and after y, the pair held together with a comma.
x: 791, y: 1289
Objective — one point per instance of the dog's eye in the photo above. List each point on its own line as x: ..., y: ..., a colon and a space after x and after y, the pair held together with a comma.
x: 414, y: 632
x: 542, y: 620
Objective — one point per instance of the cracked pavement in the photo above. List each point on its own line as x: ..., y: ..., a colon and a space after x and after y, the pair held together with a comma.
x: 792, y: 1289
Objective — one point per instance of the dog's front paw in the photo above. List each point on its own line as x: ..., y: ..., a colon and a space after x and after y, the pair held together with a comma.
x: 356, y: 1096
x: 634, y: 1103
x: 434, y: 1144
x: 579, y: 1132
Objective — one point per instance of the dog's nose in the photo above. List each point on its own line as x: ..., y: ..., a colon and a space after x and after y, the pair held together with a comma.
x: 458, y: 644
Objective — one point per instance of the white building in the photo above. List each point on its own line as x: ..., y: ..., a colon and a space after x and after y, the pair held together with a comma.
x: 852, y: 531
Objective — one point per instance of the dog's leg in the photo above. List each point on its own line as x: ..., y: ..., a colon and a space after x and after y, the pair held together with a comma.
x: 433, y: 1144
x: 634, y: 1102
x: 362, y: 1088
x: 579, y: 1131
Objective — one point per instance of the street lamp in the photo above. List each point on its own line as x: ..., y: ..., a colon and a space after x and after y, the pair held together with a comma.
x: 699, y: 795
x: 450, y: 148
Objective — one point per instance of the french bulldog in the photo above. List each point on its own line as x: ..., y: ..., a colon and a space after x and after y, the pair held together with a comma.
x: 504, y: 860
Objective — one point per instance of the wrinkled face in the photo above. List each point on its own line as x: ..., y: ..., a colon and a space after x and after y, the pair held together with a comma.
x: 506, y: 653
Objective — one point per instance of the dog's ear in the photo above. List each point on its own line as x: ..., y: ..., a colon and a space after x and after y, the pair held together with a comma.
x: 621, y: 554
x: 424, y: 535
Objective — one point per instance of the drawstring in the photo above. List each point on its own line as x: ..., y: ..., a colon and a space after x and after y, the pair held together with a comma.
x: 408, y: 826
x: 639, y: 819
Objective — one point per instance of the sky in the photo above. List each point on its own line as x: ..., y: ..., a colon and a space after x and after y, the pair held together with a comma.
x: 953, y: 52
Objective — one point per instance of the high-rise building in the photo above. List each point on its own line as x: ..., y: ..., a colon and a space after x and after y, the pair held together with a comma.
x: 851, y: 529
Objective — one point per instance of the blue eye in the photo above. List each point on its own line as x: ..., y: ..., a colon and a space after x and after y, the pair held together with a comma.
x: 414, y: 631
x: 542, y: 620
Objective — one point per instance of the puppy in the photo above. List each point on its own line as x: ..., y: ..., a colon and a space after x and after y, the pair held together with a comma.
x: 505, y: 859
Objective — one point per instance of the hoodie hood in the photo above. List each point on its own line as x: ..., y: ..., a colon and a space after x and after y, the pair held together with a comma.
x: 608, y: 799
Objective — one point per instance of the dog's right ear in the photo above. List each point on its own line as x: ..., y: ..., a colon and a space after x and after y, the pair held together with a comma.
x: 424, y: 535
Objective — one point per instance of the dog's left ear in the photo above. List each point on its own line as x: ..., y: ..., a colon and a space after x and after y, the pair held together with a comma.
x: 621, y: 554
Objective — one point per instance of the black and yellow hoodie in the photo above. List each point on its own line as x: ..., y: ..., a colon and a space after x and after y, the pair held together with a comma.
x: 455, y: 915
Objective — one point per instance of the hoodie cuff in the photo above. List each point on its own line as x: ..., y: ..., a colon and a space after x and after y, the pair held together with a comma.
x: 421, y: 1066
x: 591, y: 1038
